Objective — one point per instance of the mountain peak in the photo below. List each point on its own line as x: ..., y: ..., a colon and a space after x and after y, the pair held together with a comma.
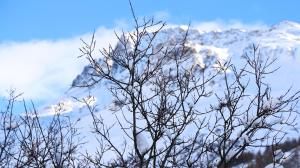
x: 286, y: 26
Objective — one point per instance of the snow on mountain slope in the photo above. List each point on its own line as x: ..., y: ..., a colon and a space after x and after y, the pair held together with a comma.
x: 280, y: 41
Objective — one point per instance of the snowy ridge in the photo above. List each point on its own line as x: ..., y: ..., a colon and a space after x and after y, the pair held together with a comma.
x: 67, y: 105
x: 281, y: 41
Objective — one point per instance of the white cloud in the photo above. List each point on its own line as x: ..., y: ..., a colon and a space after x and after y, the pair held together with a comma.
x: 44, y: 69
x: 219, y: 25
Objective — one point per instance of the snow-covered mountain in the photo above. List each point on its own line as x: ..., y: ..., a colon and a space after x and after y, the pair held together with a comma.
x: 281, y: 41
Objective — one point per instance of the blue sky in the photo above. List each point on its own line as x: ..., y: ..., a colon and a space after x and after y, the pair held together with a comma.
x: 56, y: 19
x: 39, y: 39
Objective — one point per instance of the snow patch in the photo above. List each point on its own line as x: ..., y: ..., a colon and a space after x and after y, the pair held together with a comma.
x: 206, y: 55
x: 276, y: 165
x: 67, y: 105
x: 142, y: 143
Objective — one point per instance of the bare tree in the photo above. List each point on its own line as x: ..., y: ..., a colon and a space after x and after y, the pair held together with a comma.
x: 156, y: 102
x: 28, y: 142
x: 248, y: 115
x: 7, y: 126
x: 158, y: 109
x: 158, y: 91
x: 45, y: 144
